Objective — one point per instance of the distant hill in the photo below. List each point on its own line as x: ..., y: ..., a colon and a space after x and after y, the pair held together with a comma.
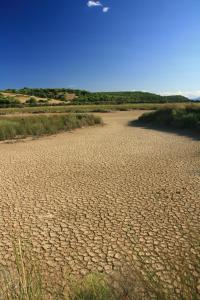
x: 127, y: 97
x: 57, y: 96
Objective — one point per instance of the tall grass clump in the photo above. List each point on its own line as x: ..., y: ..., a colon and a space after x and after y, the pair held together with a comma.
x: 94, y: 286
x: 14, y: 127
x: 23, y: 281
x: 180, y: 118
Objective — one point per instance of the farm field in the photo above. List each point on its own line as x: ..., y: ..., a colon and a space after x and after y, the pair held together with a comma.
x: 88, y: 200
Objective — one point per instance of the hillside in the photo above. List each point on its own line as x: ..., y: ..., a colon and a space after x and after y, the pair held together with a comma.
x: 52, y: 96
x: 127, y: 97
x: 49, y: 93
x: 57, y: 96
x: 24, y: 99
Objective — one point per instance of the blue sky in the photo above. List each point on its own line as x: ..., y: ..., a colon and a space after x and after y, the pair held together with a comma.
x: 150, y: 45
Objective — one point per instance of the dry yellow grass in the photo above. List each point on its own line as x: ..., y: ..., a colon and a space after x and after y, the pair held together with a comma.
x: 23, y: 98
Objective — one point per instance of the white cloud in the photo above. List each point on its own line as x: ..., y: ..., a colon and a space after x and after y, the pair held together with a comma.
x: 105, y: 9
x: 189, y: 94
x: 92, y: 3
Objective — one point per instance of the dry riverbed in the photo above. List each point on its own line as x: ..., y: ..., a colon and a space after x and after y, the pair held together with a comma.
x: 89, y: 199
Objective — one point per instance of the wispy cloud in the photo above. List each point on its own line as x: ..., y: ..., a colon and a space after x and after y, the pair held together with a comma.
x: 93, y: 3
x: 189, y: 94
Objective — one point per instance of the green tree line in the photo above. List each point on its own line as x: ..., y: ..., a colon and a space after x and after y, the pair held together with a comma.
x: 127, y: 97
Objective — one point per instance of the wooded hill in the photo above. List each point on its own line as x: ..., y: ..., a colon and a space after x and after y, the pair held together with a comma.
x: 127, y: 97
x: 11, y: 97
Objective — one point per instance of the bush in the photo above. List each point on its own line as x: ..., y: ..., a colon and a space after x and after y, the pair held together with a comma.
x: 32, y: 101
x: 181, y: 118
x: 8, y: 101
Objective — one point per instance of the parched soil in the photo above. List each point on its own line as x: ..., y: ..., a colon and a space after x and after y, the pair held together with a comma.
x: 89, y: 199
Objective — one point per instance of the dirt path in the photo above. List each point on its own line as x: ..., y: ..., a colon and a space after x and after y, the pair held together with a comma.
x: 84, y: 198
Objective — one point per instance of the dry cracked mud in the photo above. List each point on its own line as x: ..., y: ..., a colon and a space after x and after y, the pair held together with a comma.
x: 88, y: 200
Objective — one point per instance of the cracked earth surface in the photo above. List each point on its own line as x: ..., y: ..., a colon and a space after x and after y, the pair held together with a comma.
x: 86, y: 199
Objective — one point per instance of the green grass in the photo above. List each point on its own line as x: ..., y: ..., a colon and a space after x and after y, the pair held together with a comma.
x: 178, y: 118
x: 20, y: 127
x: 88, y: 108
x: 94, y: 286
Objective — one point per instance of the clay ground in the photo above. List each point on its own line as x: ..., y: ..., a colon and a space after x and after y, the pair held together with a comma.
x: 87, y: 200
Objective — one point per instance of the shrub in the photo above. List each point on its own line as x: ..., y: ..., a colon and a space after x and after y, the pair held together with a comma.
x: 8, y: 101
x: 32, y: 101
x: 186, y: 118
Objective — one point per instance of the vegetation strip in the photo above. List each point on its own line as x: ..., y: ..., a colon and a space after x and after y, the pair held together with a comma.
x: 14, y: 127
x: 91, y: 108
x: 180, y: 118
x: 41, y: 96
